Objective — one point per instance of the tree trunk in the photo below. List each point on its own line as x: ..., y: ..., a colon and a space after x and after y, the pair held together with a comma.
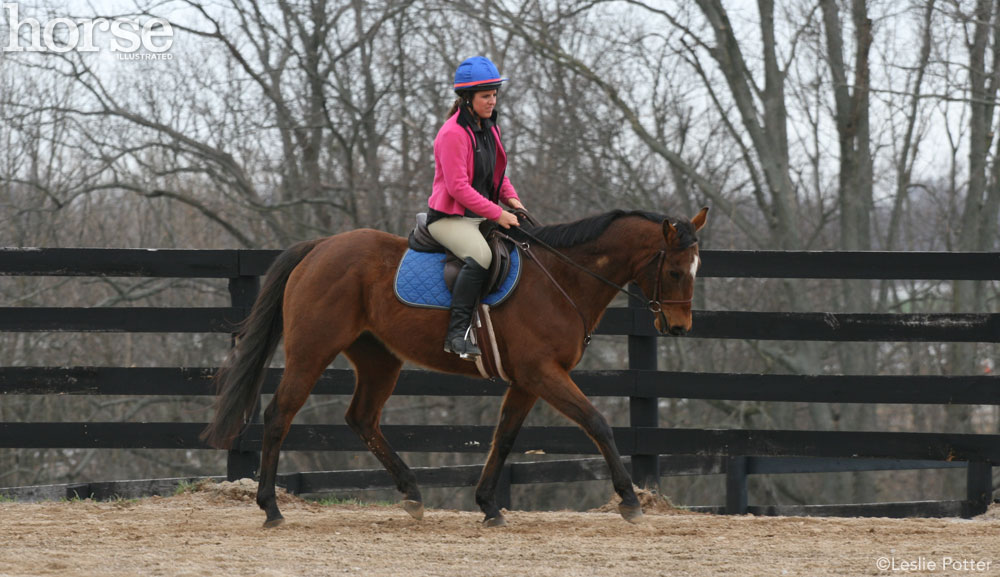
x: 851, y: 105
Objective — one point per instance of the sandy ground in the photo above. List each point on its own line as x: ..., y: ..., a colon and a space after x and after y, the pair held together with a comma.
x: 217, y: 531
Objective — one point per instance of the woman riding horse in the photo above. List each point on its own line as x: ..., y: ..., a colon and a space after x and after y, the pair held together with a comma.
x: 335, y: 295
x: 469, y: 182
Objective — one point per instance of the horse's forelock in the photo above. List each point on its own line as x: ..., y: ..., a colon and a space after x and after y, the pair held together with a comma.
x: 686, y: 235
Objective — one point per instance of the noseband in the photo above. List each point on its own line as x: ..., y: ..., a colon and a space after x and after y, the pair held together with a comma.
x: 656, y: 304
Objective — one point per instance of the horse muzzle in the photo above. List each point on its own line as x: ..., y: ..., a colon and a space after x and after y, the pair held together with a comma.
x: 665, y: 328
x: 678, y: 331
x: 662, y: 323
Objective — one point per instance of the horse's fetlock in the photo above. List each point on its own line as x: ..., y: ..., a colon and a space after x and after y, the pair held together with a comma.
x: 628, y: 495
x: 490, y: 510
x: 265, y: 497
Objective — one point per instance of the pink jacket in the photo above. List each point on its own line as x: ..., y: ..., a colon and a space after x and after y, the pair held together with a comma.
x: 453, y: 167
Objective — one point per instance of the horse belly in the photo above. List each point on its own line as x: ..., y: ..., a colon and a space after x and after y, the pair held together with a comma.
x: 414, y: 334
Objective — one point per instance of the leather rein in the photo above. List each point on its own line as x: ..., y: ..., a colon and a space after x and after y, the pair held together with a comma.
x: 655, y: 305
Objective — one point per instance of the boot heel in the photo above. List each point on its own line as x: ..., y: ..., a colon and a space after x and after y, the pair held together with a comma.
x: 463, y: 352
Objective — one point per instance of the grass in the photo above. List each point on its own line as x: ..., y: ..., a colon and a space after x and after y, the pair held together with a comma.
x: 335, y: 500
x: 184, y: 487
x: 118, y: 499
x: 4, y: 498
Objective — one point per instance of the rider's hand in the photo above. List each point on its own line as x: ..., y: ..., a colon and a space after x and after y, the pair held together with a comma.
x: 515, y: 204
x: 507, y: 220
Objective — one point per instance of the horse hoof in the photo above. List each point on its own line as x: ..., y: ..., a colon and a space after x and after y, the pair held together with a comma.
x: 631, y: 514
x: 414, y: 508
x: 497, y: 521
x: 272, y: 523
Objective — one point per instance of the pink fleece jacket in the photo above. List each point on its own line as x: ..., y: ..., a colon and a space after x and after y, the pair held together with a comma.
x: 453, y: 166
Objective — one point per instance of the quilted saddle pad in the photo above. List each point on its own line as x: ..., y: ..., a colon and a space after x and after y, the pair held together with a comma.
x: 420, y: 280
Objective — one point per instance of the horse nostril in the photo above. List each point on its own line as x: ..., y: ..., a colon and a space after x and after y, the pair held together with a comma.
x: 678, y: 330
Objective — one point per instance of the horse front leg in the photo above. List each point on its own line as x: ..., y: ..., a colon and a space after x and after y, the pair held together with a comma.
x: 555, y: 386
x: 517, y: 403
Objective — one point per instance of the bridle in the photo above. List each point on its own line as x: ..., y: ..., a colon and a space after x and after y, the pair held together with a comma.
x: 655, y: 305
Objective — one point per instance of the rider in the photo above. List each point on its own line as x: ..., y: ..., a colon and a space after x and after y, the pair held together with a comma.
x: 469, y: 183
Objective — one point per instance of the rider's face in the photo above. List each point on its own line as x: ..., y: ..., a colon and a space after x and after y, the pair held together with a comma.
x: 484, y: 102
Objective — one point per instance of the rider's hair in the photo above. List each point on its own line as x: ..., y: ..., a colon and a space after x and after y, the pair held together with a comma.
x: 454, y: 106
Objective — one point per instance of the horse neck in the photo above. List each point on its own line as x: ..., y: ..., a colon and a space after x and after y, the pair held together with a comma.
x: 617, y: 255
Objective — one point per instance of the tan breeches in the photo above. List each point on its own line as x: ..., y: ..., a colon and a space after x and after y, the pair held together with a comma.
x: 461, y: 235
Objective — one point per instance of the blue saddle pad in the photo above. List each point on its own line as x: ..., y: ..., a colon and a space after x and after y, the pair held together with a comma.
x: 420, y: 280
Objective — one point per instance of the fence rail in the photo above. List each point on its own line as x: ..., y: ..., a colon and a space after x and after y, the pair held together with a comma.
x: 550, y: 440
x: 653, y: 450
x: 865, y: 389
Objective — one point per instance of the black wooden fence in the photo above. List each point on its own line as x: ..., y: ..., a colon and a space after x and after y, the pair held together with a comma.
x: 653, y: 451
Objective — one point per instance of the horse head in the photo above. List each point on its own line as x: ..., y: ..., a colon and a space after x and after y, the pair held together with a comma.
x: 668, y: 280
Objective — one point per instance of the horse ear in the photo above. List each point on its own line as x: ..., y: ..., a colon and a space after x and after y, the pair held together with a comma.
x: 699, y: 219
x: 669, y: 232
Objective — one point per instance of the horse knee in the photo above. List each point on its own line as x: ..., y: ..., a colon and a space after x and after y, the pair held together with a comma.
x: 598, y: 427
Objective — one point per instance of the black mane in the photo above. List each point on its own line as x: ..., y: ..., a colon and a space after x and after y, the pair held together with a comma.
x: 587, y: 229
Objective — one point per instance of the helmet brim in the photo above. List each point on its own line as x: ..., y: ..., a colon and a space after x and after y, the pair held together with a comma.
x: 480, y: 85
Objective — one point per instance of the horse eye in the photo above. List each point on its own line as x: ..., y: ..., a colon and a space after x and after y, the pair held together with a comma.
x: 675, y: 275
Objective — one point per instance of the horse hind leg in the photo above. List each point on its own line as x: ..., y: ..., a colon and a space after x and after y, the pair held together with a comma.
x: 296, y: 384
x: 305, y: 360
x: 517, y: 403
x: 376, y: 370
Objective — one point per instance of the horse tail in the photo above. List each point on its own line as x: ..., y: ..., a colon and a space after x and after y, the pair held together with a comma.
x: 239, y: 380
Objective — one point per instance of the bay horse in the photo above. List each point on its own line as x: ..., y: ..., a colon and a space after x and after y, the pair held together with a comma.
x: 335, y: 295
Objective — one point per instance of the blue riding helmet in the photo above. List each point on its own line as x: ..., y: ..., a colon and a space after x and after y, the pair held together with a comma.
x: 477, y: 73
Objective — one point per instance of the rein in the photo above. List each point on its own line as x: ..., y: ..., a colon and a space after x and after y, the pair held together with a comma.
x: 655, y: 305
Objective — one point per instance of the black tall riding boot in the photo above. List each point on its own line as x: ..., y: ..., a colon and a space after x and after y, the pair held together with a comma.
x: 464, y: 298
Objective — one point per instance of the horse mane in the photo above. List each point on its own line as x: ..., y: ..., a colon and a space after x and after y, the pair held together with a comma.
x: 575, y: 233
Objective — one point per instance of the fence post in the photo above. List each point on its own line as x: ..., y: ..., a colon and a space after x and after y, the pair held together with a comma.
x: 242, y: 463
x: 978, y: 488
x: 736, y: 485
x: 643, y: 411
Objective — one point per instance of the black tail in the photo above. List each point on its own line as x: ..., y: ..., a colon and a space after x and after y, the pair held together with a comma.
x: 239, y: 381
